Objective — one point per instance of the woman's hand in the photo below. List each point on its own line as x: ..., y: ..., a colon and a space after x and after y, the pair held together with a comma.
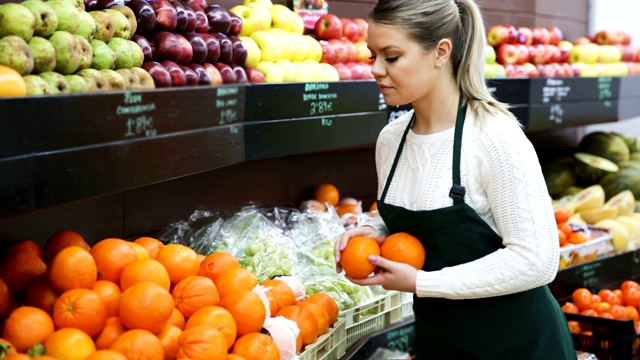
x: 366, y: 230
x: 391, y: 275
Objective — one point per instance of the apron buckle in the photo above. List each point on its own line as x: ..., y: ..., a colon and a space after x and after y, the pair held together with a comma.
x: 457, y: 190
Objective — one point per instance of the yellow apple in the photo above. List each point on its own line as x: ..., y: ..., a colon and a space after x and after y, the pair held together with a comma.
x: 303, y: 72
x: 330, y: 72
x: 314, y: 49
x: 288, y: 70
x: 253, y: 51
x: 282, y: 17
x: 269, y: 45
x: 262, y: 13
x: 298, y: 24
x: 272, y: 72
x: 261, y: 3
x: 286, y: 43
x: 317, y: 70
x: 249, y: 18
x: 300, y: 52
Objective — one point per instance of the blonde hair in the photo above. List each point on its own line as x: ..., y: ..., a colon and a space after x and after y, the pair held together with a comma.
x: 460, y: 21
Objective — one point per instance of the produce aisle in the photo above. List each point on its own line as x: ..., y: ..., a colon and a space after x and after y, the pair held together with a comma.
x: 236, y: 167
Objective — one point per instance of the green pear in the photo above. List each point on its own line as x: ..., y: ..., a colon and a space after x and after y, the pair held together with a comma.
x: 78, y: 4
x: 86, y: 56
x: 146, y: 81
x: 103, y: 56
x: 16, y: 19
x: 105, y: 25
x: 87, y: 28
x: 131, y: 16
x: 46, y: 18
x: 122, y: 49
x: 101, y: 82
x: 121, y: 23
x: 77, y: 83
x: 68, y: 15
x: 136, y: 53
x: 116, y: 80
x: 130, y: 79
x: 36, y: 85
x: 44, y: 54
x: 68, y: 52
x: 16, y: 54
x: 57, y: 82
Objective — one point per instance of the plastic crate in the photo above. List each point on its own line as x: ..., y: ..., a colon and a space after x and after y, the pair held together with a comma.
x: 372, y: 316
x: 609, y: 339
x: 329, y: 346
x: 407, y: 305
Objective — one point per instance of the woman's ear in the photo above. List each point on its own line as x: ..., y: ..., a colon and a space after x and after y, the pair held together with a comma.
x: 443, y: 51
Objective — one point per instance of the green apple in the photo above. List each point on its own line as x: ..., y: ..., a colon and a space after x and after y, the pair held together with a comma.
x: 36, y: 85
x: 314, y: 49
x: 253, y: 51
x: 57, y: 82
x: 146, y: 81
x: 304, y: 73
x: 272, y: 72
x: 490, y: 71
x: 105, y: 25
x: 282, y: 17
x: 270, y: 47
x: 587, y: 53
x: 121, y: 23
x: 46, y: 18
x: 130, y: 15
x: 262, y: 13
x: 301, y: 47
x: 137, y: 56
x: 67, y: 13
x: 131, y: 80
x: 286, y: 43
x: 77, y: 83
x: 86, y: 56
x: 288, y: 70
x: 101, y: 82
x: 116, y: 81
x: 103, y: 56
x: 250, y: 20
x: 501, y: 72
x: 16, y: 54
x: 44, y: 54
x: 490, y: 55
x: 87, y: 28
x: 18, y: 20
x: 68, y: 52
x: 330, y: 72
x: 122, y: 49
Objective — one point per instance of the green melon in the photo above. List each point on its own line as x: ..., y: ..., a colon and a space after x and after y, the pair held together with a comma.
x: 591, y: 168
x: 589, y: 198
x: 559, y: 176
x: 572, y: 190
x: 624, y: 202
x: 607, y: 145
x: 628, y: 178
x: 632, y: 142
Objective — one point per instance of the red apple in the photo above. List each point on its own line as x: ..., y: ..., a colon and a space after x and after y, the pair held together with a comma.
x: 582, y: 40
x: 241, y: 75
x: 181, y: 17
x: 507, y: 54
x: 532, y: 70
x: 356, y: 69
x: 187, y: 50
x: 198, y: 47
x: 525, y: 36
x: 227, y: 73
x: 554, y: 55
x: 568, y: 69
x: 367, y: 74
x: 352, y: 51
x: 512, y: 34
x: 214, y: 73
x: 192, y: 20
x: 522, y: 53
x: 160, y: 75
x: 166, y: 16
x: 190, y: 76
x: 625, y: 37
x: 166, y: 46
x: 343, y: 71
x: 540, y: 36
x: 177, y: 74
x: 145, y: 16
x: 328, y: 27
x: 364, y: 54
x: 226, y: 46
x: 328, y: 53
x: 350, y: 29
x: 213, y: 47
x: 236, y: 25
x: 219, y: 18
x: 255, y: 76
x: 197, y: 4
x: 363, y: 28
x: 203, y: 76
x: 555, y: 35
x: 340, y: 49
x: 608, y: 37
x: 144, y: 44
x: 497, y: 35
x: 239, y: 51
x: 202, y: 22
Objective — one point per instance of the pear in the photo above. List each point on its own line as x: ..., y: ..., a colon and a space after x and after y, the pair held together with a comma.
x: 16, y: 19
x: 101, y: 82
x: 44, y: 54
x: 68, y: 52
x: 121, y: 23
x: 132, y: 82
x: 130, y: 15
x: 87, y: 28
x: 105, y: 25
x: 57, y: 82
x: 77, y: 83
x: 122, y: 49
x: 78, y: 4
x: 86, y: 56
x: 36, y: 85
x: 46, y: 18
x: 146, y: 81
x: 103, y: 56
x: 16, y: 54
x: 136, y: 54
x: 116, y: 80
x: 68, y: 15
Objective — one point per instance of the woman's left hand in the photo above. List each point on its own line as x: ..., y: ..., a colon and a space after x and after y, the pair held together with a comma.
x: 390, y: 275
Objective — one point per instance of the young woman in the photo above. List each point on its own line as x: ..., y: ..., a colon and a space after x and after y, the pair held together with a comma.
x: 458, y: 173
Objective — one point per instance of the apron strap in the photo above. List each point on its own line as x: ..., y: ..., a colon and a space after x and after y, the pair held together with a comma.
x: 397, y: 158
x: 457, y: 190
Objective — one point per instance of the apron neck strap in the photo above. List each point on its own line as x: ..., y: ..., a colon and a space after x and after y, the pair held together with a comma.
x: 457, y: 190
x: 397, y: 158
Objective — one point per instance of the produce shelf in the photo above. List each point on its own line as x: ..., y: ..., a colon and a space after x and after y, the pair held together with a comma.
x: 329, y: 346
x: 371, y: 316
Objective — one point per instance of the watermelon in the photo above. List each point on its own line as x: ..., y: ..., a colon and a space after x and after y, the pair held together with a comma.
x: 591, y: 168
x: 628, y: 178
x: 559, y: 176
x: 607, y: 145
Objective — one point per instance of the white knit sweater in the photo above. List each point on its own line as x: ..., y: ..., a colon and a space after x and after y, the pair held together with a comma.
x: 501, y: 173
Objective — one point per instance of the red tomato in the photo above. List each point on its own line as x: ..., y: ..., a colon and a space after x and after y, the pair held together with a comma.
x: 582, y: 298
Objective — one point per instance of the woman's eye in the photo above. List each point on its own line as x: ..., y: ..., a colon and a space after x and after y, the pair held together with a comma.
x: 391, y: 59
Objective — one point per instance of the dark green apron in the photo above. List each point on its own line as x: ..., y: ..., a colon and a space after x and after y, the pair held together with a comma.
x: 525, y: 325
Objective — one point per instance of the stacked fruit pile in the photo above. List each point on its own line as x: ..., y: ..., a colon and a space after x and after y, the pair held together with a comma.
x: 607, y: 53
x: 143, y: 299
x: 58, y: 47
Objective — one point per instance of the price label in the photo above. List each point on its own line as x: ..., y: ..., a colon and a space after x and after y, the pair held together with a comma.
x: 227, y: 104
x: 556, y: 113
x: 588, y: 274
x: 319, y: 99
x: 555, y: 90
x: 138, y: 114
x: 401, y: 339
x: 605, y: 92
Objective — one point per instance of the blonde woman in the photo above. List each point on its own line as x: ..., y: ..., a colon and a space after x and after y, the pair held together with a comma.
x: 458, y: 173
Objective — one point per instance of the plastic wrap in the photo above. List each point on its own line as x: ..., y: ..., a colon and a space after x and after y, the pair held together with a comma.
x: 200, y: 232
x: 343, y: 291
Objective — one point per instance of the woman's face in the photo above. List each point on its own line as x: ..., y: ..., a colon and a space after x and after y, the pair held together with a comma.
x: 404, y: 71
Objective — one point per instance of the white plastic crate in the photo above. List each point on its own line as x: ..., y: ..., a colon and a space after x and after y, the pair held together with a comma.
x: 329, y: 346
x: 372, y: 316
x: 407, y: 304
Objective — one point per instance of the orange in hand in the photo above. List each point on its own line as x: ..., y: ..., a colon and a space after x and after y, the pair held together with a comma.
x: 405, y: 248
x: 355, y: 256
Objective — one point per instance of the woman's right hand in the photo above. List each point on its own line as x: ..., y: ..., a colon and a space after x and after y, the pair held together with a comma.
x: 366, y: 230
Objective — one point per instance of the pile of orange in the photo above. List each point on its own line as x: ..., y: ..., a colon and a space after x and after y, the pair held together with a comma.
x: 566, y: 233
x: 141, y: 299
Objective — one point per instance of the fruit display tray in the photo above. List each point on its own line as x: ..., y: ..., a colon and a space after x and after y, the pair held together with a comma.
x: 371, y: 316
x: 599, y: 247
x: 329, y: 346
x: 610, y: 340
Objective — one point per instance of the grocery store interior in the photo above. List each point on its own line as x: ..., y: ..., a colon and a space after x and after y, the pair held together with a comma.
x: 141, y: 183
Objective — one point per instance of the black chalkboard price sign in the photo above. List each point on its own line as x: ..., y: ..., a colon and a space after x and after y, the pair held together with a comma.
x: 400, y: 336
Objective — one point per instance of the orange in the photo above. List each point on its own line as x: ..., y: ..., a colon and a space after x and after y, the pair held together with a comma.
x: 628, y: 284
x: 305, y: 319
x: 177, y: 319
x: 279, y: 294
x: 179, y: 260
x: 111, y: 256
x: 561, y: 215
x: 170, y: 339
x: 25, y: 246
x: 610, y: 297
x: 218, y: 317
x: 12, y: 84
x: 570, y: 308
x: 234, y: 357
x: 61, y: 240
x: 235, y: 279
x: 217, y: 262
x: 319, y: 313
x: 581, y: 297
x: 562, y: 238
x: 152, y: 245
x: 110, y: 295
x: 631, y: 296
x: 139, y: 344
x: 619, y: 312
x: 69, y: 344
x: 328, y: 303
x: 72, y: 268
x: 40, y: 294
x: 193, y: 293
x: 17, y: 271
x: 145, y: 305
x: 247, y: 309
x: 355, y: 256
x: 112, y: 329
x: 5, y: 297
x: 327, y: 193
x: 578, y: 237
x: 27, y: 326
x: 81, y: 309
x: 632, y: 313
x: 601, y: 306
x: 566, y: 228
x: 106, y: 355
x: 140, y: 250
x: 405, y: 248
x: 574, y: 327
x: 256, y: 346
x: 144, y: 270
x: 202, y: 343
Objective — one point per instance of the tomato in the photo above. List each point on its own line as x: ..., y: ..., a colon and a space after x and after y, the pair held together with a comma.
x: 610, y: 297
x: 631, y: 296
x: 589, y: 312
x: 601, y: 307
x: 570, y: 308
x: 582, y: 297
x: 627, y: 284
